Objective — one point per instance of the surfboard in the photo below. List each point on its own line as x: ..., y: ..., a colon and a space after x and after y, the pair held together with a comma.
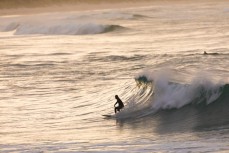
x: 108, y: 116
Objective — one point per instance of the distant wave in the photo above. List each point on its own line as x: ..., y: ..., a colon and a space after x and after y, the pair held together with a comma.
x: 109, y: 16
x: 33, y: 4
x: 45, y: 3
x: 60, y: 28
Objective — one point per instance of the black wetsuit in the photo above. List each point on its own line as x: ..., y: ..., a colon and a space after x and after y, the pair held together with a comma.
x: 120, y: 105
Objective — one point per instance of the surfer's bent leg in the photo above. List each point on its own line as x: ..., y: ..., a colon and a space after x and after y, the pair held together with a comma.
x: 118, y: 109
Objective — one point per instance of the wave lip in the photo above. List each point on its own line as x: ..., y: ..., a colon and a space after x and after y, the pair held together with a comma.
x: 63, y: 29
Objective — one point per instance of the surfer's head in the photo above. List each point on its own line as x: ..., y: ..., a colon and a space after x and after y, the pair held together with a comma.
x: 116, y: 96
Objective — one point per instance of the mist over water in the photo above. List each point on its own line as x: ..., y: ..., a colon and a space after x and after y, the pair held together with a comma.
x: 59, y: 73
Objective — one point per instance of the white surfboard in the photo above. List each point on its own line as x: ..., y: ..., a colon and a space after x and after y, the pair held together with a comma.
x: 109, y: 116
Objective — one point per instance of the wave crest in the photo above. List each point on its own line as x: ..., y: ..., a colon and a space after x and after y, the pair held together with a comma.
x: 64, y: 29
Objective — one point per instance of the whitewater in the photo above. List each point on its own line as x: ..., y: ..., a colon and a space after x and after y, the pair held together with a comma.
x: 168, y: 62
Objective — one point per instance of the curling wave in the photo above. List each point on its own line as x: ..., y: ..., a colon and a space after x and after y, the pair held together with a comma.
x: 60, y: 28
x: 155, y: 93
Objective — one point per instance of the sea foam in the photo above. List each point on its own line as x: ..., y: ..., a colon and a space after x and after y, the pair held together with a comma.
x: 168, y: 94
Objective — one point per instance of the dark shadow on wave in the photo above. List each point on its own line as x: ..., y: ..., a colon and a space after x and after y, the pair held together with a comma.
x: 138, y: 16
x: 205, y: 53
x: 215, y: 114
x: 111, y: 28
x: 119, y: 58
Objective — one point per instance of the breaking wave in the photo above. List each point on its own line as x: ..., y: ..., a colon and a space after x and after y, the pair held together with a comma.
x: 155, y: 92
x: 65, y: 24
x: 60, y: 29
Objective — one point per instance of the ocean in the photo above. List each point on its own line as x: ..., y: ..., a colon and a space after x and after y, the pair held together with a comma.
x: 168, y: 62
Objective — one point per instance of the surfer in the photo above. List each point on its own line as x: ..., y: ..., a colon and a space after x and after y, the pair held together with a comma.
x: 205, y: 53
x: 120, y: 104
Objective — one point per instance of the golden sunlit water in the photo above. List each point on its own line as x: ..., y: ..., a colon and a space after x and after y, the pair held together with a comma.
x: 60, y: 71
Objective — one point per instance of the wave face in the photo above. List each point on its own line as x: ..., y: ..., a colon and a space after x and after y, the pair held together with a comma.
x: 155, y: 93
x: 170, y: 107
